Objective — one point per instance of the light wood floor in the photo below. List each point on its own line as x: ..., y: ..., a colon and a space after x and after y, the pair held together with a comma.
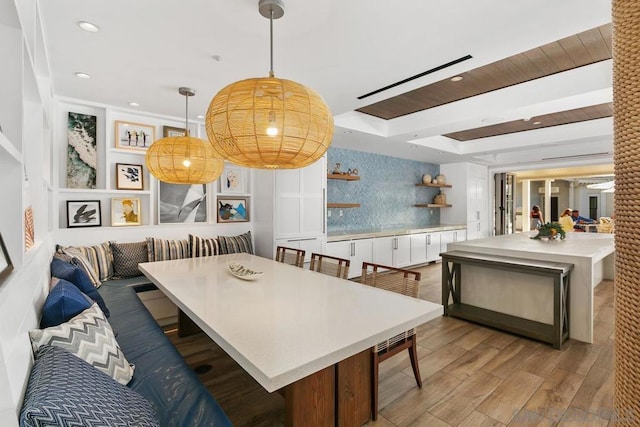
x: 473, y: 376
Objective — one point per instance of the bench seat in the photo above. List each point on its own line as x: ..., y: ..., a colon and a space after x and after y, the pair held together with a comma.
x: 161, y: 374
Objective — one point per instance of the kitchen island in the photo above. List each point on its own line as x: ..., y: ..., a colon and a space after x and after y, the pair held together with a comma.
x: 529, y: 296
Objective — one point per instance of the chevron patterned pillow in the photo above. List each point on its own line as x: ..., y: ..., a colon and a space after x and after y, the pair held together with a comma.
x: 90, y: 337
x: 66, y: 391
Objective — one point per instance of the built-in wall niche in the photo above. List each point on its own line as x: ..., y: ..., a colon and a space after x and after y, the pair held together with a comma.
x: 105, y: 198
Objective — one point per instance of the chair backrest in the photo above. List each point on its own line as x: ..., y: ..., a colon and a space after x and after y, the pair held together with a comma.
x: 393, y: 279
x: 330, y: 265
x: 290, y: 256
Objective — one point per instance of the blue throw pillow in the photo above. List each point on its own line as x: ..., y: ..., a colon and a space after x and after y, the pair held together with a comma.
x: 64, y: 302
x: 64, y: 390
x: 77, y: 276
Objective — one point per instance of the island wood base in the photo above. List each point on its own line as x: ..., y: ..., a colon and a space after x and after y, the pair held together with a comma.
x: 339, y: 395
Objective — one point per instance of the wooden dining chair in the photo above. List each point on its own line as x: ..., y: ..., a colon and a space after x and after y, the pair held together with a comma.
x: 330, y: 265
x: 290, y: 256
x: 404, y: 282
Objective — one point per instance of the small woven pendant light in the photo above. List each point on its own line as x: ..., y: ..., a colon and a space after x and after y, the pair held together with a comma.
x: 269, y: 123
x: 184, y: 159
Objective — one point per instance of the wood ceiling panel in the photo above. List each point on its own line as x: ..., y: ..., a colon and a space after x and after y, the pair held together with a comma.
x: 571, y: 52
x: 547, y: 120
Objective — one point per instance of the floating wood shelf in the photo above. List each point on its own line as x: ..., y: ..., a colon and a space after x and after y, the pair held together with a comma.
x: 344, y: 177
x: 343, y: 205
x: 432, y: 205
x: 434, y: 185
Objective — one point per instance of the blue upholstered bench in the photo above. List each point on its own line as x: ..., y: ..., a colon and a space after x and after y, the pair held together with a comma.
x: 161, y: 374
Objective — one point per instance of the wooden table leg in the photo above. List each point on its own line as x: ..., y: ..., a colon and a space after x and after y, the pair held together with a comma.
x: 354, y: 390
x: 186, y: 326
x: 311, y: 400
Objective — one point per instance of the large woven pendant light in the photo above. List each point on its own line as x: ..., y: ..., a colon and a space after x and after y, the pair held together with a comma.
x: 269, y: 123
x: 184, y: 159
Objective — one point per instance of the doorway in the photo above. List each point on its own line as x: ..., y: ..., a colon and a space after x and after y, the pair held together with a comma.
x: 554, y: 208
x: 593, y: 207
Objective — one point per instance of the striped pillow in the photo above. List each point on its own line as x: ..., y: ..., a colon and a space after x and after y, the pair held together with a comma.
x: 203, y: 247
x: 236, y: 244
x: 164, y: 249
x: 76, y: 258
x: 98, y: 256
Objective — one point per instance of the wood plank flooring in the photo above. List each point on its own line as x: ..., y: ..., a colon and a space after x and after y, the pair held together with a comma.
x: 472, y: 375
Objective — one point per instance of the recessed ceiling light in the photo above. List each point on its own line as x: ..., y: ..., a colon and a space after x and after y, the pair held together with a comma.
x: 88, y: 26
x: 456, y: 78
x: 82, y: 75
x: 537, y: 123
x: 199, y: 116
x: 217, y: 58
x: 134, y: 104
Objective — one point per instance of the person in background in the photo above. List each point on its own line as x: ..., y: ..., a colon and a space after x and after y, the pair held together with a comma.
x: 566, y: 221
x: 577, y: 220
x: 536, y: 218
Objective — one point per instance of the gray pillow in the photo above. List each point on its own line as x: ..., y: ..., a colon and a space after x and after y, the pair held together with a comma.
x: 126, y: 257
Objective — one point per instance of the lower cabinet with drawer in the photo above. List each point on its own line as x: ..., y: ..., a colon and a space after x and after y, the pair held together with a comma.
x: 308, y: 244
x: 356, y: 251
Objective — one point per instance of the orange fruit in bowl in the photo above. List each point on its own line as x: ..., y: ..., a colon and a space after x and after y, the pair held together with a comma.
x: 554, y: 231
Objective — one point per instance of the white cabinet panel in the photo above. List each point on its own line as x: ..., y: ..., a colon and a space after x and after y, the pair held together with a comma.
x: 433, y: 246
x: 288, y: 181
x: 383, y: 250
x: 289, y: 216
x: 402, y: 251
x: 309, y: 245
x: 312, y: 217
x: 418, y: 248
x: 340, y: 249
x: 451, y: 236
x: 362, y: 250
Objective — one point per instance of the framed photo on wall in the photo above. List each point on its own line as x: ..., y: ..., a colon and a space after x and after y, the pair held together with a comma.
x: 182, y: 203
x: 83, y: 213
x: 134, y: 136
x: 233, y: 209
x: 168, y: 131
x: 129, y: 177
x: 233, y: 180
x: 125, y: 211
x: 5, y: 262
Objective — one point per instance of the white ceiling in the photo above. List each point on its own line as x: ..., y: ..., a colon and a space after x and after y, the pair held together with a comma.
x: 146, y: 49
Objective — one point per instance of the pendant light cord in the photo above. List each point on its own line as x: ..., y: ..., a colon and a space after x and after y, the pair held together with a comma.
x: 271, y: 74
x: 186, y: 116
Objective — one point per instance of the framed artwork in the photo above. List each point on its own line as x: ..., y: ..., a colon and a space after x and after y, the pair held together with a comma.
x: 83, y: 213
x: 81, y: 151
x: 125, y: 211
x: 233, y: 209
x: 5, y: 261
x: 29, y: 231
x: 129, y: 177
x: 134, y: 136
x: 182, y: 203
x: 233, y: 180
x: 168, y: 131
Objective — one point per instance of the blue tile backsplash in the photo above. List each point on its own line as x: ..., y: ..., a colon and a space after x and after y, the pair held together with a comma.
x: 386, y: 192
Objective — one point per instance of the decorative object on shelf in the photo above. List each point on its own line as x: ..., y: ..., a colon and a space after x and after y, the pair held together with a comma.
x: 129, y: 177
x: 426, y: 179
x: 5, y: 261
x: 550, y: 231
x: 83, y: 213
x: 125, y: 211
x: 269, y: 123
x: 440, y: 199
x: 182, y: 203
x: 168, y: 131
x: 81, y: 151
x: 434, y: 181
x: 355, y: 172
x: 242, y: 272
x: 183, y: 159
x: 441, y: 179
x: 233, y: 180
x: 233, y: 209
x: 29, y: 232
x: 134, y: 136
x: 336, y: 169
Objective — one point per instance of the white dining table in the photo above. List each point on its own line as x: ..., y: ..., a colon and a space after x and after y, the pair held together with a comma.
x: 291, y: 329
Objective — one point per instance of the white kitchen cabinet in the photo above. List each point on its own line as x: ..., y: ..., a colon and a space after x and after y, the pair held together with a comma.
x: 402, y: 251
x: 356, y: 251
x: 383, y: 250
x: 451, y: 236
x: 433, y: 246
x: 418, y: 248
x: 290, y: 209
x: 469, y: 198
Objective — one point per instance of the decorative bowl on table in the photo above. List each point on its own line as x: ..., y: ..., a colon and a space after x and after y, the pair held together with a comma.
x: 550, y: 231
x: 242, y: 272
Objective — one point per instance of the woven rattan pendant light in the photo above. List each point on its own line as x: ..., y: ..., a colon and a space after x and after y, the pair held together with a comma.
x: 269, y: 123
x: 184, y: 159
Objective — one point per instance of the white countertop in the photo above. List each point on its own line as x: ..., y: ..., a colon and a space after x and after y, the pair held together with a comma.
x: 594, y: 246
x: 290, y: 322
x: 339, y: 236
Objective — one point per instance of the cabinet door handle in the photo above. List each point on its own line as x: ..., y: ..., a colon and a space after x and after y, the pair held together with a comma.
x: 395, y: 243
x: 478, y: 226
x: 324, y: 209
x: 478, y: 215
x: 301, y: 240
x: 455, y: 236
x: 353, y: 249
x: 428, y: 239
